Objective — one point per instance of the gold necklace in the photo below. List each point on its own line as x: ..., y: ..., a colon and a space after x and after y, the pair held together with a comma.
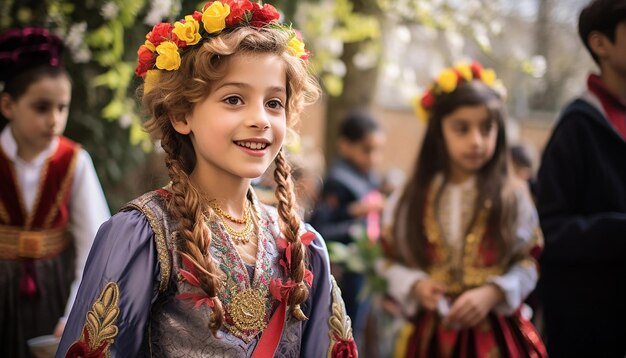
x: 239, y: 237
x: 243, y: 221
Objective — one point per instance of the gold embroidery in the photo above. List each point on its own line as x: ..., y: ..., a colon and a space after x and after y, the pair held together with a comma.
x: 339, y: 322
x: 247, y: 310
x: 101, y: 319
x: 471, y: 274
x: 65, y: 185
x: 159, y: 237
x: 31, y: 215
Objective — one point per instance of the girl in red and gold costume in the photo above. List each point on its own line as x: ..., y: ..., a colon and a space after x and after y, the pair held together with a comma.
x: 463, y: 235
x: 51, y: 202
x: 201, y: 268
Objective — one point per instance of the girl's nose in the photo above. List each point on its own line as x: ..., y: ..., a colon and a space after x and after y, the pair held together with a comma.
x: 258, y: 117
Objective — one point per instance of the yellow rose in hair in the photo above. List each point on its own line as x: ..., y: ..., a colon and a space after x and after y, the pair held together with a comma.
x: 214, y: 17
x: 189, y: 31
x: 488, y: 76
x: 168, y: 58
x: 465, y: 71
x: 296, y: 47
x: 150, y: 45
x: 447, y: 80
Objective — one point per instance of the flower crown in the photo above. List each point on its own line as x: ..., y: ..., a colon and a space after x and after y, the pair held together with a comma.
x: 165, y: 42
x: 448, y: 80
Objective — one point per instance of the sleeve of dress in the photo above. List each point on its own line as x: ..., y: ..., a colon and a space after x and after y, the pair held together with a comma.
x: 400, y: 279
x: 88, y: 210
x: 328, y: 330
x: 521, y: 277
x: 120, y: 283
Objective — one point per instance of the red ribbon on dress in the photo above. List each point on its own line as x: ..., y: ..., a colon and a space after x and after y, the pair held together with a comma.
x: 191, y: 276
x: 266, y: 347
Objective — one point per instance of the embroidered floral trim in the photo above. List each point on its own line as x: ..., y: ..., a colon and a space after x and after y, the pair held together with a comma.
x: 237, y: 278
x: 341, y: 341
x: 141, y: 205
x: 99, y: 330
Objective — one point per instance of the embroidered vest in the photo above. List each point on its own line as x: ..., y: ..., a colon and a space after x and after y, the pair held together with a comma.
x: 51, y: 209
x: 42, y: 232
x: 480, y: 257
x: 240, y: 296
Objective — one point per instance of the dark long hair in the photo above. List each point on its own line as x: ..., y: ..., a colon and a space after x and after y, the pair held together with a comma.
x: 493, y: 178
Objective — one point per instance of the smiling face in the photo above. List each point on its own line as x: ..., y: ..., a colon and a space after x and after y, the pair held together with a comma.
x: 239, y: 128
x: 470, y: 136
x: 39, y: 115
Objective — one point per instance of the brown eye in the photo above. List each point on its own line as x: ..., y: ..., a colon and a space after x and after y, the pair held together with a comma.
x: 275, y: 104
x: 233, y: 100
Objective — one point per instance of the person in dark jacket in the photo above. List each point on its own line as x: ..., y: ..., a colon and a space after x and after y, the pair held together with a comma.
x: 581, y: 198
x: 349, y: 194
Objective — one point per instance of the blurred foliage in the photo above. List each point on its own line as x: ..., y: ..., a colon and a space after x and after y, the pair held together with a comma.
x: 360, y: 256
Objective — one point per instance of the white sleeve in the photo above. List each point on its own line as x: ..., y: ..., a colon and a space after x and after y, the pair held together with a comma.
x: 400, y: 280
x: 88, y: 210
x: 521, y: 277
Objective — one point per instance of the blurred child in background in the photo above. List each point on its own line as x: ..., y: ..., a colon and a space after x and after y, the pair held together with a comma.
x: 350, y: 194
x: 51, y: 202
x: 462, y: 231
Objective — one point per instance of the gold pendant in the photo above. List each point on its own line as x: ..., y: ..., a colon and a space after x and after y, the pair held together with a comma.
x: 248, y: 311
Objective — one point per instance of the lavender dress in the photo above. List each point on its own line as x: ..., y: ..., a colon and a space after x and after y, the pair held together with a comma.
x: 127, y: 304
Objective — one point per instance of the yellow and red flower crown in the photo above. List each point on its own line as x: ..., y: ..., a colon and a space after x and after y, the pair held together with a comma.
x: 165, y: 42
x: 448, y: 80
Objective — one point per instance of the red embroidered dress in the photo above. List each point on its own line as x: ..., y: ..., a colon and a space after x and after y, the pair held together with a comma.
x: 36, y: 256
x: 464, y: 256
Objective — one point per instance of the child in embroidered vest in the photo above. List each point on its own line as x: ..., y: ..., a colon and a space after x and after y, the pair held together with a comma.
x: 461, y: 233
x: 51, y: 202
x: 349, y: 194
x: 200, y: 268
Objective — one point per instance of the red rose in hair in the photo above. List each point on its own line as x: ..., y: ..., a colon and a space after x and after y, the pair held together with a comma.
x: 197, y: 15
x: 238, y: 10
x: 344, y: 349
x: 145, y: 60
x: 428, y: 100
x: 160, y: 32
x: 262, y: 16
x: 476, y: 69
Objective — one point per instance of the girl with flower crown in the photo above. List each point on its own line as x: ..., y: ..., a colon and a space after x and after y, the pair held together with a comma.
x: 51, y: 202
x: 200, y: 268
x: 462, y: 235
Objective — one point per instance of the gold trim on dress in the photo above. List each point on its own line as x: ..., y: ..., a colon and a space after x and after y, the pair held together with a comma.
x: 30, y: 216
x: 101, y: 319
x: 471, y: 273
x: 339, y: 322
x: 165, y: 264
x: 65, y: 185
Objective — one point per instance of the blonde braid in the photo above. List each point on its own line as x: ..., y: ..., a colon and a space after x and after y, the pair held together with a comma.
x: 186, y: 206
x: 290, y: 227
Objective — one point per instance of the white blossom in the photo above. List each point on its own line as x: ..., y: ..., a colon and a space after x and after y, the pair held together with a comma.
x: 109, y: 10
x: 159, y: 10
